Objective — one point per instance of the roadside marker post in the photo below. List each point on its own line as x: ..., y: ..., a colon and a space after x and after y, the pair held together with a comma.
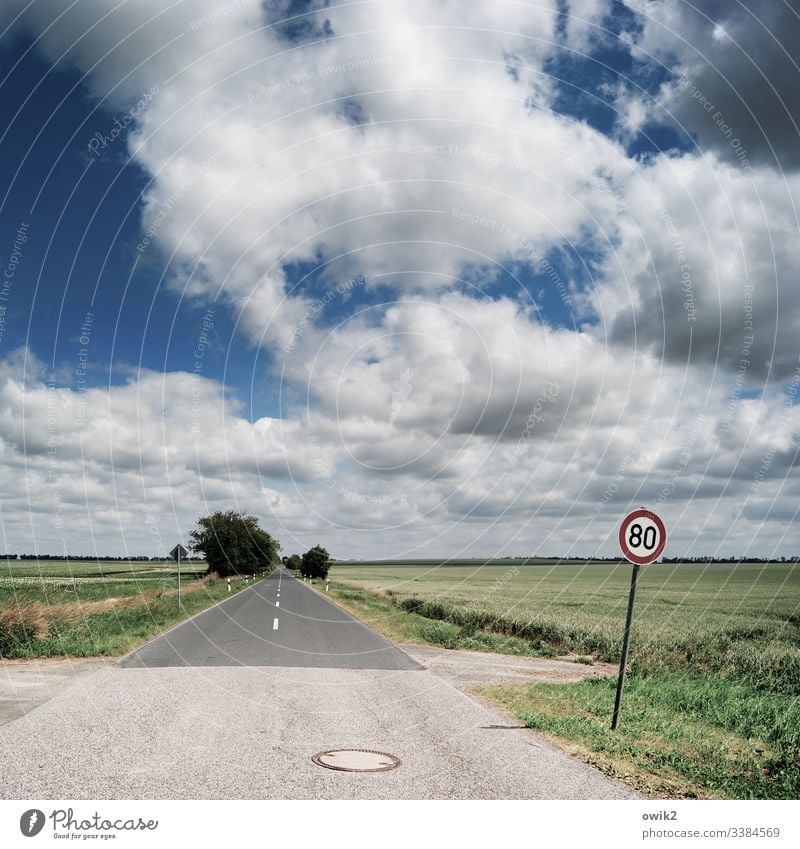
x: 229, y: 584
x: 176, y: 554
x: 642, y: 537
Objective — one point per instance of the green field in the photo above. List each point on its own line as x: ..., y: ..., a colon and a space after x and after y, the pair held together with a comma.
x: 712, y: 701
x: 79, y: 608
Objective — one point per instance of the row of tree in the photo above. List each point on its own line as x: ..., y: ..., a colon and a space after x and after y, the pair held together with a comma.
x: 236, y: 544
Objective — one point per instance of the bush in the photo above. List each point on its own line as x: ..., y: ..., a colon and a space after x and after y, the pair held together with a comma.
x: 442, y: 634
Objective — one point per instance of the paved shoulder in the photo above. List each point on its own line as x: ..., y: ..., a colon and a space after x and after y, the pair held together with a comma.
x: 251, y: 732
x: 277, y: 622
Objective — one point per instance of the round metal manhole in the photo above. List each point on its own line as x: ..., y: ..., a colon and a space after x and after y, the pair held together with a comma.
x: 356, y: 760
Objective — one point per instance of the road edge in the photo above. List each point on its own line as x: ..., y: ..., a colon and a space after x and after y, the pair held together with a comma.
x: 363, y: 624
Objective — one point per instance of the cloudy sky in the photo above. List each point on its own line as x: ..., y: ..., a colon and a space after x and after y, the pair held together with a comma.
x: 404, y: 279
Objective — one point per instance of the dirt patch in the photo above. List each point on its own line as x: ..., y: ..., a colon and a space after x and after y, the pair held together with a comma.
x: 466, y: 669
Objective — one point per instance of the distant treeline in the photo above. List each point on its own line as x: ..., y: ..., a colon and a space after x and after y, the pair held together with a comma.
x: 706, y: 559
x: 89, y: 557
x: 794, y: 559
x: 539, y: 557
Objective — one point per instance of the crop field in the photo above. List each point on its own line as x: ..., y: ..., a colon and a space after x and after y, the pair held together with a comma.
x: 80, y: 608
x: 711, y: 704
x: 747, y: 613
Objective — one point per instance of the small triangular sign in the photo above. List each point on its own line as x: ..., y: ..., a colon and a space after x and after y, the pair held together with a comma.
x: 179, y: 549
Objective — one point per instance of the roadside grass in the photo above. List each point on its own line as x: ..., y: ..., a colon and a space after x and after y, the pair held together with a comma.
x: 711, y: 702
x: 97, y: 613
x: 680, y: 735
x: 397, y: 624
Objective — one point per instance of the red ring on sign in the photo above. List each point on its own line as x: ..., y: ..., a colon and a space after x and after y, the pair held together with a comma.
x: 642, y: 559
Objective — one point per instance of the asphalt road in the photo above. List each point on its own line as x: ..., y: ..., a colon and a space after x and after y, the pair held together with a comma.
x: 278, y: 621
x: 226, y: 706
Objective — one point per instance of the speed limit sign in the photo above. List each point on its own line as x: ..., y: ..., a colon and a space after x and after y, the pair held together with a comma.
x: 642, y: 537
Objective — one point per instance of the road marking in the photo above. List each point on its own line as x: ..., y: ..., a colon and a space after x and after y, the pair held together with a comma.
x: 277, y: 604
x: 275, y: 624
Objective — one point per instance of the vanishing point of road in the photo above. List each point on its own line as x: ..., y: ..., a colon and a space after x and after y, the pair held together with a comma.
x: 233, y: 704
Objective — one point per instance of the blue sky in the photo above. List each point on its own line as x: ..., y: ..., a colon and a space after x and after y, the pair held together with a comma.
x: 85, y: 221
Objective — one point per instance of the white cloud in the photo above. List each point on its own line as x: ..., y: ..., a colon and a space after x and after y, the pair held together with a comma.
x: 414, y: 144
x: 705, y: 268
x: 173, y: 444
x: 351, y: 149
x: 518, y: 439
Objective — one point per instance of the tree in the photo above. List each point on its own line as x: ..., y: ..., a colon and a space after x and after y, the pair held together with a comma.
x: 316, y: 563
x: 234, y: 543
x: 293, y: 562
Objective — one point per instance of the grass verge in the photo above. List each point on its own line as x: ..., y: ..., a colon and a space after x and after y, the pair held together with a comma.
x: 680, y: 735
x: 97, y: 619
x: 401, y: 626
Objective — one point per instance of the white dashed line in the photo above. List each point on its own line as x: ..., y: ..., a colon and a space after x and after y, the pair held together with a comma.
x: 275, y: 624
x: 277, y: 604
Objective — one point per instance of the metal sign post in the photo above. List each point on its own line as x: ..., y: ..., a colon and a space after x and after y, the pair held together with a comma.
x: 176, y: 554
x: 626, y: 643
x: 642, y: 537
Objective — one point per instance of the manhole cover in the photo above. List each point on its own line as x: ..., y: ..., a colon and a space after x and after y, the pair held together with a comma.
x: 356, y: 760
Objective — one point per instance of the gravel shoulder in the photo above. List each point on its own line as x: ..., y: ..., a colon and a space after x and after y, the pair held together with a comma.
x: 467, y: 669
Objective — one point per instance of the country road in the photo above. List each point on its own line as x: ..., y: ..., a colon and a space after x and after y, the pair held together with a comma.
x: 234, y: 703
x: 277, y: 622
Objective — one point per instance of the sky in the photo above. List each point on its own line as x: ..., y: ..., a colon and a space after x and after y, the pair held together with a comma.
x: 430, y: 279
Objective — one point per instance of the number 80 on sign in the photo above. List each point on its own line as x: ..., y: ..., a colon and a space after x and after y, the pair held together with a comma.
x: 642, y: 537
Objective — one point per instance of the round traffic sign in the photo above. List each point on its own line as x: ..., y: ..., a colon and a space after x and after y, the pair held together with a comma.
x: 642, y: 536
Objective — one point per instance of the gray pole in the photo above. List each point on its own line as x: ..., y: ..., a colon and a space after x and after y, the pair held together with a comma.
x: 626, y: 641
x: 179, y: 577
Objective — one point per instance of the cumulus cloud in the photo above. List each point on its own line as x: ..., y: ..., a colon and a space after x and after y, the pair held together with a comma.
x: 361, y: 137
x: 379, y: 466
x: 705, y: 268
x: 412, y: 148
x: 161, y: 443
x: 733, y: 75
